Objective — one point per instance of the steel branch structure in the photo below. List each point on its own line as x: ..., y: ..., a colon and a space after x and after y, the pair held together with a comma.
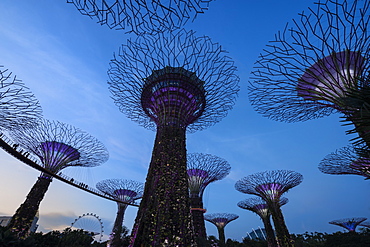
x: 202, y: 170
x: 143, y: 16
x: 270, y: 186
x: 125, y: 190
x: 318, y: 65
x: 347, y: 160
x: 172, y: 82
x: 260, y: 207
x: 18, y: 106
x: 57, y: 146
x: 220, y: 220
x: 349, y: 223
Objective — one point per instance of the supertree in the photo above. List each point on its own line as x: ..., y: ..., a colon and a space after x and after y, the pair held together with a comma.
x: 260, y: 207
x: 220, y: 220
x: 56, y: 146
x: 270, y: 186
x: 365, y: 224
x: 317, y: 66
x: 172, y: 82
x: 143, y: 16
x: 349, y: 223
x: 125, y: 190
x: 347, y: 160
x: 19, y: 107
x: 202, y: 170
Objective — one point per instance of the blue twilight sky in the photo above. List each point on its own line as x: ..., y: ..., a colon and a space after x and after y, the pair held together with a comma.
x: 63, y: 56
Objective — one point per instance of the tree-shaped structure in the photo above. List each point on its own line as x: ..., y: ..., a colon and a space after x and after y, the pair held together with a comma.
x: 347, y: 160
x: 260, y: 207
x: 18, y: 106
x: 125, y: 190
x: 202, y: 170
x: 56, y: 145
x: 220, y: 220
x: 349, y: 223
x: 172, y: 82
x: 270, y: 186
x: 318, y: 65
x: 144, y: 16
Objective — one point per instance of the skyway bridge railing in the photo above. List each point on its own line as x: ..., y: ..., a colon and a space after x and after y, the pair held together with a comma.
x: 25, y: 157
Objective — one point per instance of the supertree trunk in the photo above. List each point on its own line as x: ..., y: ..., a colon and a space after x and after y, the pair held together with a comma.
x: 282, y: 233
x: 221, y: 236
x: 197, y: 213
x: 22, y: 219
x: 115, y: 240
x: 270, y: 235
x: 164, y: 216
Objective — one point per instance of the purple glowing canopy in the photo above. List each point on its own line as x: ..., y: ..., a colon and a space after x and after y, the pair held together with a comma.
x: 331, y: 77
x: 272, y: 191
x: 220, y: 219
x: 56, y: 154
x: 363, y: 165
x: 349, y: 223
x: 125, y: 195
x: 173, y: 96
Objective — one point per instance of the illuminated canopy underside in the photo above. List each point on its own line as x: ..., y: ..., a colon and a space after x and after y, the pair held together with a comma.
x: 331, y: 77
x: 173, y: 96
x: 125, y: 195
x: 270, y: 191
x: 56, y: 155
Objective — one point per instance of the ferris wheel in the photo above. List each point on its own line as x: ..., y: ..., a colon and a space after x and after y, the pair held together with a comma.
x: 91, y: 223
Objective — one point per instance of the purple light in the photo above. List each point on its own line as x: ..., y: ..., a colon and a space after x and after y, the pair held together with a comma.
x: 362, y: 164
x: 331, y: 77
x: 271, y: 191
x: 262, y: 209
x: 56, y: 155
x: 173, y: 96
x: 197, y: 173
x: 125, y: 195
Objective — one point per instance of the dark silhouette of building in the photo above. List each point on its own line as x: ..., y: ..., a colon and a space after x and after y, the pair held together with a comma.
x: 125, y: 190
x: 202, y: 170
x: 57, y: 146
x: 270, y: 186
x: 220, y: 220
x: 173, y: 83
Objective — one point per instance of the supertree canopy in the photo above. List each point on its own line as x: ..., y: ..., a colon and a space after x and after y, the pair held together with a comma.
x: 220, y: 220
x: 57, y: 146
x: 270, y: 186
x: 125, y: 190
x: 318, y: 65
x: 172, y: 82
x: 143, y: 16
x: 19, y: 107
x: 260, y: 207
x: 202, y: 170
x: 347, y: 160
x: 349, y: 223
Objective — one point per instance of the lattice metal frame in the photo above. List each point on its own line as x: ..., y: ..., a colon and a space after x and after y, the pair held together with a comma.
x: 19, y: 107
x: 111, y: 186
x: 349, y: 223
x: 347, y: 160
x: 59, y: 145
x: 204, y: 169
x: 327, y: 45
x: 181, y: 50
x: 143, y: 16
